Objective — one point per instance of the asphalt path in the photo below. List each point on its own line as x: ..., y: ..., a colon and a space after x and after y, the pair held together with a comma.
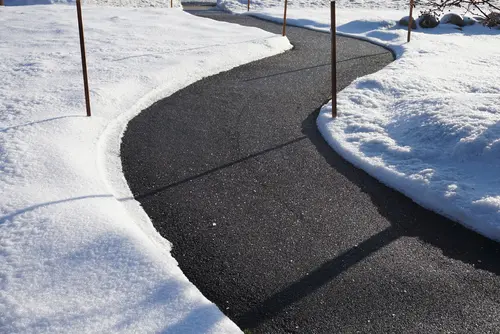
x: 277, y: 229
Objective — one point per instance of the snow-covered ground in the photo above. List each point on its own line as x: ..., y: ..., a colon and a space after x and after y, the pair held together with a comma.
x: 77, y: 253
x: 428, y: 124
x: 237, y: 5
x: 110, y: 3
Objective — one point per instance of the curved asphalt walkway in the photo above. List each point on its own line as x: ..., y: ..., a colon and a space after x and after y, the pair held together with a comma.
x: 282, y: 233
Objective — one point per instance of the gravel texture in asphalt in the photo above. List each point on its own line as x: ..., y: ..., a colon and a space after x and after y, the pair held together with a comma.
x: 277, y: 229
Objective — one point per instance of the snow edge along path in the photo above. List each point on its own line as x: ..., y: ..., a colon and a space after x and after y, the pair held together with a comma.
x: 78, y: 253
x: 111, y: 166
x: 481, y: 215
x: 452, y: 186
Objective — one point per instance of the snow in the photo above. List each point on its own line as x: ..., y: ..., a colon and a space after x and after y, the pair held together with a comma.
x: 110, y: 3
x: 239, y: 6
x: 265, y: 5
x: 428, y: 124
x: 77, y: 252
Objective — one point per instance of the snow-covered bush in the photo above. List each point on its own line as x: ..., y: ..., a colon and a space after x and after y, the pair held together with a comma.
x: 488, y: 10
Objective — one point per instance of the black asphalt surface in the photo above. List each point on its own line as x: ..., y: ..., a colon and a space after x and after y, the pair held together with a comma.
x: 282, y: 233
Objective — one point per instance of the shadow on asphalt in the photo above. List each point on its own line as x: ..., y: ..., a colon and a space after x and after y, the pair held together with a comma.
x: 216, y: 169
x: 466, y: 246
x: 316, y: 66
x: 316, y: 279
x: 432, y: 228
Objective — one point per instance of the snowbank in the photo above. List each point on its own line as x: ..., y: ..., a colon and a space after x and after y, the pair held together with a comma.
x: 428, y: 124
x: 110, y: 3
x: 241, y: 5
x: 77, y: 253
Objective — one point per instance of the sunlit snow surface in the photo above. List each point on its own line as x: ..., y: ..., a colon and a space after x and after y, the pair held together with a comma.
x: 114, y: 3
x: 237, y: 5
x: 429, y: 123
x: 77, y: 253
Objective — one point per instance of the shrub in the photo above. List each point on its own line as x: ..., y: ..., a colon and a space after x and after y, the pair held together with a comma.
x: 473, y: 7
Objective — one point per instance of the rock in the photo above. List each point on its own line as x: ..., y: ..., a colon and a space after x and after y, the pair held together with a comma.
x: 468, y: 21
x: 453, y: 18
x: 428, y: 21
x: 479, y: 19
x: 404, y: 22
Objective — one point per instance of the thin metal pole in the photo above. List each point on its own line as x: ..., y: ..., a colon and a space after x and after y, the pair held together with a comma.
x: 334, y: 58
x: 248, y: 7
x: 84, y: 59
x: 284, y: 18
x: 171, y: 3
x: 410, y: 21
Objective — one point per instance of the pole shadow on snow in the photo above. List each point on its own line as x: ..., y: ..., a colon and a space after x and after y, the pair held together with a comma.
x: 15, y: 127
x: 16, y: 213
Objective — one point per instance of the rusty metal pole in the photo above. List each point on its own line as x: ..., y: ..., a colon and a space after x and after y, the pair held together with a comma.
x: 248, y: 6
x: 410, y: 20
x: 334, y: 58
x: 84, y: 59
x: 284, y: 18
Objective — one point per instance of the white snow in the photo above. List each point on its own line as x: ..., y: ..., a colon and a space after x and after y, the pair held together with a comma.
x: 428, y: 124
x: 110, y: 3
x: 77, y: 253
x: 307, y: 5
